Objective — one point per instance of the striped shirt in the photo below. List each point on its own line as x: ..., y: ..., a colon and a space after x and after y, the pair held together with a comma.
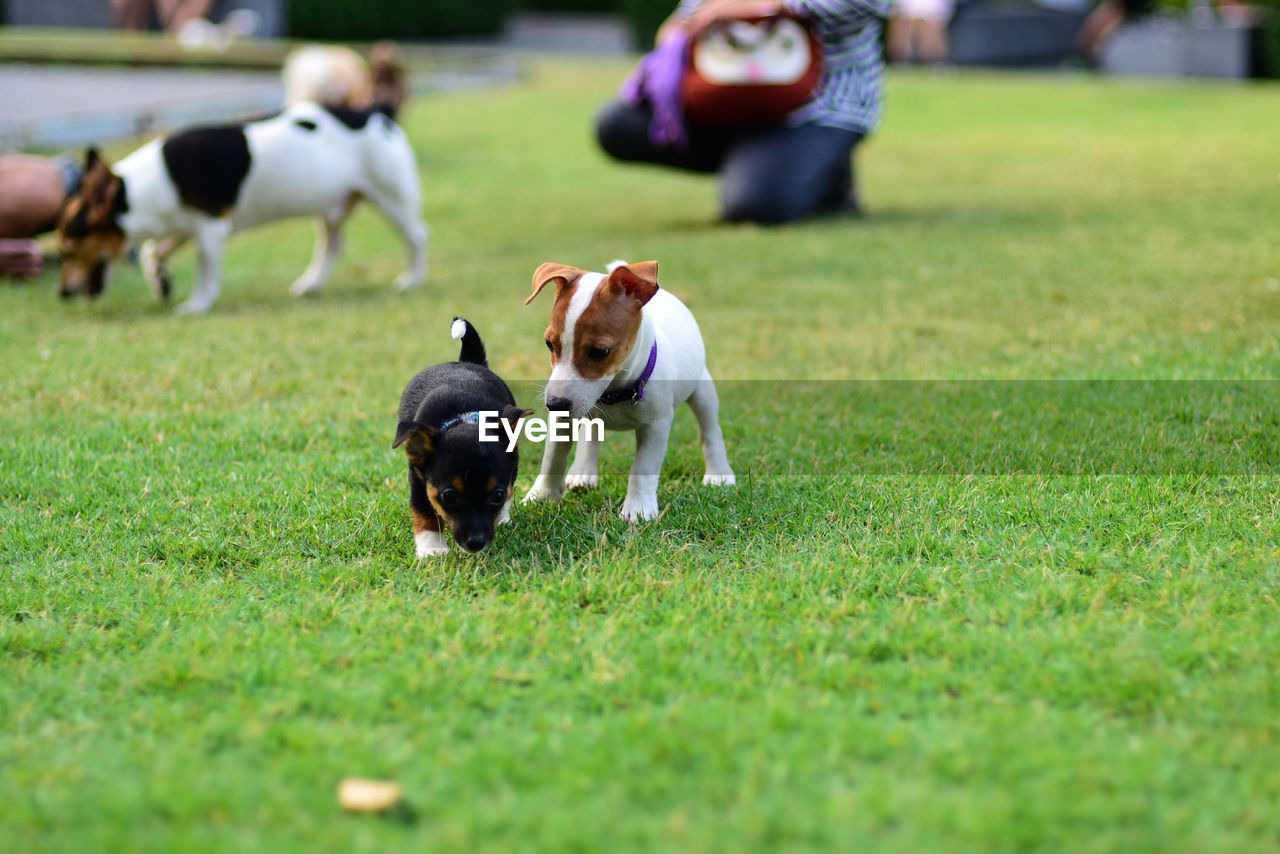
x: 851, y: 93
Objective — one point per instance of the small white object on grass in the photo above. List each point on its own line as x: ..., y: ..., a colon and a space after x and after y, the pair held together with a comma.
x: 359, y: 795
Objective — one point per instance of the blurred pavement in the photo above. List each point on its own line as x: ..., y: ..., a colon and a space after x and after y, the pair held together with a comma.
x: 52, y: 107
x: 47, y: 107
x: 57, y: 107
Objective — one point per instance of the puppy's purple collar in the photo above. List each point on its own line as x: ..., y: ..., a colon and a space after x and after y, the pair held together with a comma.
x: 635, y: 393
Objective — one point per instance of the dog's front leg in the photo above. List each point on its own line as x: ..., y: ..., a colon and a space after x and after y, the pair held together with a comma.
x: 550, y: 481
x: 428, y: 541
x: 152, y: 257
x: 211, y: 240
x: 642, y: 483
x: 583, y: 474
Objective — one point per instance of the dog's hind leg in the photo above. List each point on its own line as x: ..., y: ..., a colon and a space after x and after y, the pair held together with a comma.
x: 328, y: 245
x: 705, y: 403
x: 211, y: 240
x: 152, y: 257
x: 401, y: 210
x: 583, y: 473
x: 416, y: 236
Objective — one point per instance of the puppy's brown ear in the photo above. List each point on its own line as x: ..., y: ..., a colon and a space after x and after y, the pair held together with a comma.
x: 92, y: 157
x: 403, y: 429
x: 419, y: 441
x: 647, y: 270
x: 513, y: 414
x: 563, y: 275
x: 637, y: 281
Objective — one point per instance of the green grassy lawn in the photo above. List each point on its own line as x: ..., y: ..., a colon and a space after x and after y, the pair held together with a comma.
x: 210, y: 615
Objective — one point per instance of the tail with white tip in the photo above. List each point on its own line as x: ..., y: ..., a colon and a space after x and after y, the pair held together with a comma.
x: 472, y: 347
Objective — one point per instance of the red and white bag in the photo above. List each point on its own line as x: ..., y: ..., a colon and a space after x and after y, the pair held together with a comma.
x: 751, y: 72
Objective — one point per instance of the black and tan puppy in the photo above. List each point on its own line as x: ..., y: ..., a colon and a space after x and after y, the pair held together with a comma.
x: 456, y: 478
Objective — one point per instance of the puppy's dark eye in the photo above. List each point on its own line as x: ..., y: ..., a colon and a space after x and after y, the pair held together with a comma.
x: 499, y: 497
x: 598, y: 354
x: 550, y: 346
x: 449, y: 498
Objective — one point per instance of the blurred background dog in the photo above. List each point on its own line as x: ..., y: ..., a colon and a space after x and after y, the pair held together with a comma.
x: 339, y: 77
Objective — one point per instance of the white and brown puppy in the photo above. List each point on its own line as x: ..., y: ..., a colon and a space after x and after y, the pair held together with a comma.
x: 630, y: 352
x: 338, y: 76
x: 203, y: 184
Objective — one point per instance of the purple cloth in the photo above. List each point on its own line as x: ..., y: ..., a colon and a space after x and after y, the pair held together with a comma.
x: 657, y: 80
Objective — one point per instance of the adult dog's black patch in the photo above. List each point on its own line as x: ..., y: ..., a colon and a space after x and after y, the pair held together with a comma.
x: 306, y: 124
x: 353, y: 118
x: 208, y: 166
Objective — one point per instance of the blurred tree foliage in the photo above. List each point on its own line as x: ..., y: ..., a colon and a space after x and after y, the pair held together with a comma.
x: 645, y: 16
x: 373, y: 19
x: 408, y: 19
x: 404, y: 19
x: 1269, y: 39
x: 592, y: 6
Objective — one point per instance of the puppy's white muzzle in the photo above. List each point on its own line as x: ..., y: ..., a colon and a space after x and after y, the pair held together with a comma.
x: 566, y: 385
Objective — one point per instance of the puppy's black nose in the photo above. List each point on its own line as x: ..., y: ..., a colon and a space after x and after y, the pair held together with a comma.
x: 559, y: 404
x: 475, y: 543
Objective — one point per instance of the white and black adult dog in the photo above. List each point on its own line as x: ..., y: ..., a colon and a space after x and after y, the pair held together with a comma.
x: 204, y: 183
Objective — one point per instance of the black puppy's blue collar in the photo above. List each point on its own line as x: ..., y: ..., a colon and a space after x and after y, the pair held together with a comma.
x: 465, y: 418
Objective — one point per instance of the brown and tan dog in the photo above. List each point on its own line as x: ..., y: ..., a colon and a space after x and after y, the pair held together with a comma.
x: 337, y: 76
x: 632, y: 352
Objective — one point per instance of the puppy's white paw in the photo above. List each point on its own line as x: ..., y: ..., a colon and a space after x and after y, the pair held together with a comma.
x: 582, y: 481
x: 429, y: 544
x: 193, y: 306
x: 305, y: 285
x: 726, y: 479
x: 639, y: 509
x: 408, y: 280
x: 544, y: 490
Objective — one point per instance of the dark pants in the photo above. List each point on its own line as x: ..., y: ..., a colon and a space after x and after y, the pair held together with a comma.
x: 772, y: 175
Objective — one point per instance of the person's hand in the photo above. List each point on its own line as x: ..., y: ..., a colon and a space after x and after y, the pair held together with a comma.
x: 20, y: 259
x: 672, y: 25
x: 715, y: 11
